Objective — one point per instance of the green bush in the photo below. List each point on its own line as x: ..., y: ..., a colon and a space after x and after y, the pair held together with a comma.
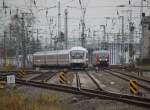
x: 13, y: 100
x: 144, y: 61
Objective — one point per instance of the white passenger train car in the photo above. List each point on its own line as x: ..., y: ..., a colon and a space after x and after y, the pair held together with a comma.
x: 76, y: 56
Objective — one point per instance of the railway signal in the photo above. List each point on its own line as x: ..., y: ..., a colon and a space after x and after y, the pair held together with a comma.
x: 133, y: 86
x: 62, y: 78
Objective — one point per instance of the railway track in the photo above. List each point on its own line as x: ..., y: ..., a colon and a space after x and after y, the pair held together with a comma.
x: 127, y: 77
x: 94, y: 80
x: 44, y: 77
x: 85, y: 80
x: 78, y: 81
x: 139, y: 101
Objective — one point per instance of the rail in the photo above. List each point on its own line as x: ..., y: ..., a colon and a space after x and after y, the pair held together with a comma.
x: 126, y: 79
x: 78, y: 81
x: 139, y: 78
x: 139, y: 101
x: 95, y: 81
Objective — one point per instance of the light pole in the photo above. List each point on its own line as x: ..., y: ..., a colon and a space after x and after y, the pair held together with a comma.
x: 83, y: 11
x: 104, y: 37
x: 59, y: 22
x: 142, y: 28
x: 23, y: 40
x: 4, y: 46
x: 83, y: 28
x: 122, y: 41
x: 66, y: 28
x: 131, y: 41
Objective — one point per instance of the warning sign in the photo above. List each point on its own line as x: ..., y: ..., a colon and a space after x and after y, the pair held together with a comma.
x: 62, y: 78
x: 133, y: 86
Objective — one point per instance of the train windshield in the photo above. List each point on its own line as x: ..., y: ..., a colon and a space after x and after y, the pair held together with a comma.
x: 103, y: 55
x: 77, y: 54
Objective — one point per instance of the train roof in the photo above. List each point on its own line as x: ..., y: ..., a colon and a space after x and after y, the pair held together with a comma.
x: 59, y: 51
x: 79, y: 48
x: 101, y: 51
x: 51, y: 52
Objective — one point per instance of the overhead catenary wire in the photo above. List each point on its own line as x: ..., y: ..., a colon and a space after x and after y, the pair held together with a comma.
x: 78, y: 8
x: 68, y: 2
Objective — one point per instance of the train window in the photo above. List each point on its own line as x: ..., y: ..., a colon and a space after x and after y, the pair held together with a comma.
x: 37, y: 57
x: 103, y: 55
x: 77, y: 54
x: 51, y: 56
x: 63, y: 56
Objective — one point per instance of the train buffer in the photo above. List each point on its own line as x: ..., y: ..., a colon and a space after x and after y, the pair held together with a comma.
x: 62, y: 78
x: 133, y: 86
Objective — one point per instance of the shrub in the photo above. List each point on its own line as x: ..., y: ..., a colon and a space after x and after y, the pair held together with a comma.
x: 144, y: 61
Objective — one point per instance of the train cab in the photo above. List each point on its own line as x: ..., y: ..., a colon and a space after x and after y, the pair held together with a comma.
x: 101, y: 58
x: 78, y: 57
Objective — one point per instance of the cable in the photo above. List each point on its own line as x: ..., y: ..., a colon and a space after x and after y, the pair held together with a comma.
x: 35, y: 4
x: 28, y: 6
x: 43, y: 9
x: 68, y: 2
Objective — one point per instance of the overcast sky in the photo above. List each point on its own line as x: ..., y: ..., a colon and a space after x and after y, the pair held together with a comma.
x: 96, y: 11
